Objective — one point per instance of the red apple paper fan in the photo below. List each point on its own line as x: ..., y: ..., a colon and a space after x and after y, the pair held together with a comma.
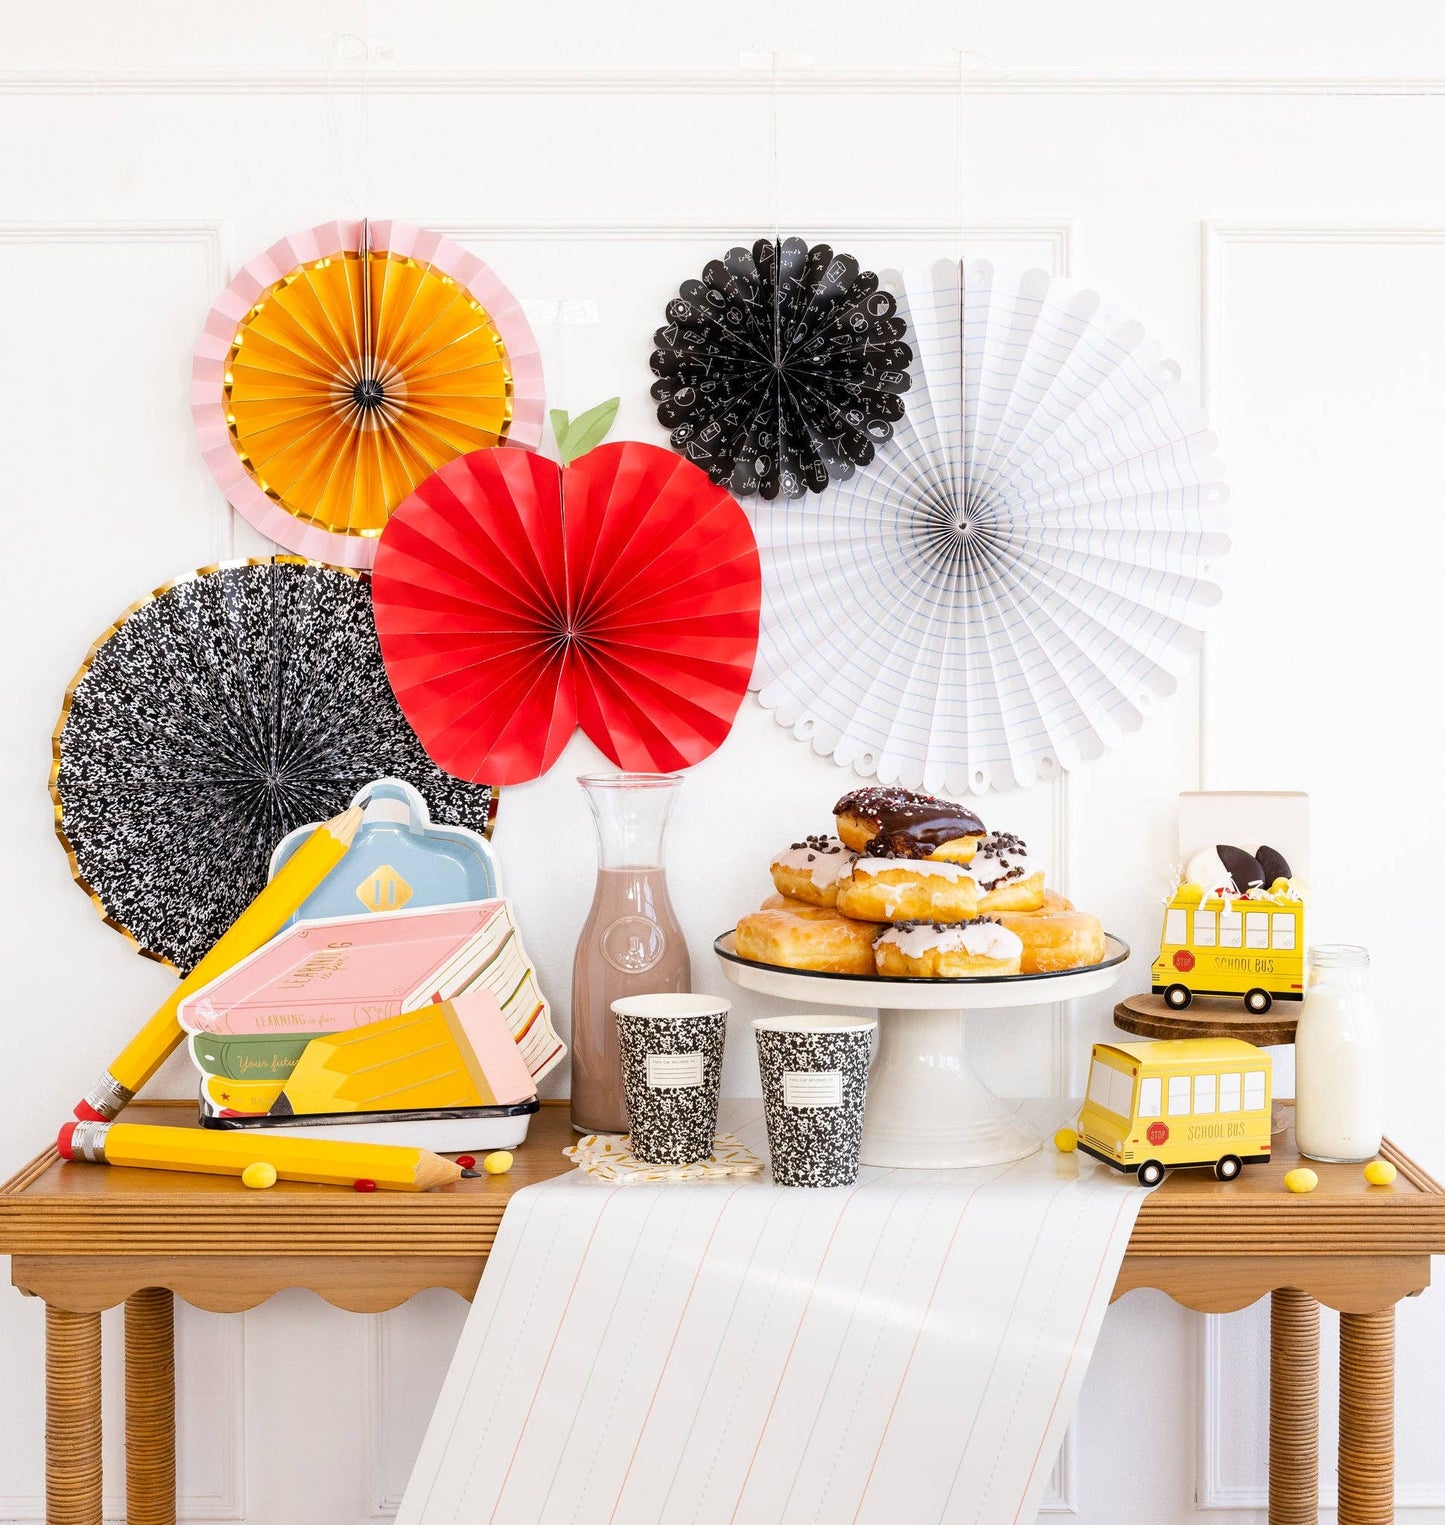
x: 517, y: 599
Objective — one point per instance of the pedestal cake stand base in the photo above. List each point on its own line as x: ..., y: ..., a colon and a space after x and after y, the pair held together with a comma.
x: 928, y: 1108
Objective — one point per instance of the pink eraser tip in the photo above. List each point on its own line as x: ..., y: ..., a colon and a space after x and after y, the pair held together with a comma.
x: 63, y: 1142
x: 87, y: 1114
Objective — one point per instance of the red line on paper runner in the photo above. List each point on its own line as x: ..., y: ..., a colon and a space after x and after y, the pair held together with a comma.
x: 666, y: 1360
x: 1068, y: 1366
x: 556, y: 1335
x: 922, y: 1323
x: 793, y: 1343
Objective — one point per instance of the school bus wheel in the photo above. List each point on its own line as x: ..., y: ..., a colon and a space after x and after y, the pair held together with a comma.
x: 1177, y: 997
x: 1258, y: 1001
x: 1227, y: 1167
x: 1151, y: 1172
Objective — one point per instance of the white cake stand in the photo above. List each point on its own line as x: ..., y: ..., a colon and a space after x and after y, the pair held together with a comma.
x: 927, y: 1106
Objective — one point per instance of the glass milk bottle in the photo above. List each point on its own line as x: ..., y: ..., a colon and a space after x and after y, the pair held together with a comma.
x: 631, y: 943
x: 1339, y: 1060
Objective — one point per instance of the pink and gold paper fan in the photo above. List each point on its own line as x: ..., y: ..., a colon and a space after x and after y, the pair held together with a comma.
x: 517, y: 599
x: 344, y: 366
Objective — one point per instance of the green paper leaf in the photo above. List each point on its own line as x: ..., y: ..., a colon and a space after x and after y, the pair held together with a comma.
x: 588, y: 430
x: 559, y: 427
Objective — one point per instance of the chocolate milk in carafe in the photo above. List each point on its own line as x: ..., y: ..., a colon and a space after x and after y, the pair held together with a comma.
x: 631, y: 943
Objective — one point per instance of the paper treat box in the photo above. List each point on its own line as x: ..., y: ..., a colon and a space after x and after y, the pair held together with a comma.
x: 1178, y: 1102
x: 1234, y: 924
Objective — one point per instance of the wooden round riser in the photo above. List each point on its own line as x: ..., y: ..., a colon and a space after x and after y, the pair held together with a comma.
x: 1207, y: 1016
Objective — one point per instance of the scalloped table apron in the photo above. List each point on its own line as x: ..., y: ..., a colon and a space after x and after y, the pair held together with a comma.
x: 908, y: 1348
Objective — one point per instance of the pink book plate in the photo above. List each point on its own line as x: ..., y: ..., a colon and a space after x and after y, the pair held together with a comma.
x: 322, y: 977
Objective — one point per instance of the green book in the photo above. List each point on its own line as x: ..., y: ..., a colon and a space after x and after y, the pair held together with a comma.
x: 249, y: 1057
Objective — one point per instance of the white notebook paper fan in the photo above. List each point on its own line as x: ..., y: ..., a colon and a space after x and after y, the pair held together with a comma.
x: 1013, y: 582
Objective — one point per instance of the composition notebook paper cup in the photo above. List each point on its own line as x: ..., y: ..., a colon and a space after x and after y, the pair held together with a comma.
x: 672, y: 1048
x: 814, y: 1072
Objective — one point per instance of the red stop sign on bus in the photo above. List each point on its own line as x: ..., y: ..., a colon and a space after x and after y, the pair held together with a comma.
x: 1184, y: 961
x: 1157, y: 1133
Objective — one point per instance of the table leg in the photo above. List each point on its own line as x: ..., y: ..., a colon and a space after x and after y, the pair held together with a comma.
x: 72, y: 1417
x: 1367, y: 1418
x: 150, y: 1408
x: 1294, y: 1408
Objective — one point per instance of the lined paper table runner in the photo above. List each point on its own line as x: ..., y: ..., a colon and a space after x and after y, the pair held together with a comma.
x: 908, y: 1348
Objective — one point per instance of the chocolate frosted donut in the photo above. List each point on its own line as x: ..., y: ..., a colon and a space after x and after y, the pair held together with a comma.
x: 896, y: 823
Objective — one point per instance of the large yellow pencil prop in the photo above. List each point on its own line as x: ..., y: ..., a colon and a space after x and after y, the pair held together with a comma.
x: 258, y: 923
x: 322, y: 1161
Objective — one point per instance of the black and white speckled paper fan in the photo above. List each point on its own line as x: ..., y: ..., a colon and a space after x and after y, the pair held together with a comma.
x: 215, y: 715
x: 777, y: 381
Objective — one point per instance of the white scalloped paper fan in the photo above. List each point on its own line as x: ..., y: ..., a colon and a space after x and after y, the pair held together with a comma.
x: 1018, y: 577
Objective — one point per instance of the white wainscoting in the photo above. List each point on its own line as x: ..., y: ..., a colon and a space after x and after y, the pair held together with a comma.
x: 1208, y: 189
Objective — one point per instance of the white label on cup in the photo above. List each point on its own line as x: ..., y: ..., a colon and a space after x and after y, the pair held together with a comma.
x: 673, y: 1072
x: 804, y: 1088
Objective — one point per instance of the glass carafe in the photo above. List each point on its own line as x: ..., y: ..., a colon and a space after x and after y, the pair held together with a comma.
x: 1338, y: 1060
x: 631, y: 943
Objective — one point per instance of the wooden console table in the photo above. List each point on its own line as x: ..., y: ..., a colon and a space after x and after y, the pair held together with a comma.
x: 85, y: 1238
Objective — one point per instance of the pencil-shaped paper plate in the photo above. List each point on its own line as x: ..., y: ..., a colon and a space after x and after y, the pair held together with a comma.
x: 456, y: 1053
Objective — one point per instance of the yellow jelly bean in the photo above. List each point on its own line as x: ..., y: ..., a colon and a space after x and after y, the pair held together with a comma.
x: 498, y: 1162
x: 1301, y: 1180
x: 259, y: 1175
x: 1066, y: 1141
x: 1380, y: 1173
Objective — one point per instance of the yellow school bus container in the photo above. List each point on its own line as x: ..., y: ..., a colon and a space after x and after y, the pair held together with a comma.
x: 1250, y: 948
x: 1184, y: 1101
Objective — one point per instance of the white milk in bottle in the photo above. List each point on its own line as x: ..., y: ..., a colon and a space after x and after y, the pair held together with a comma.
x: 1339, y: 1061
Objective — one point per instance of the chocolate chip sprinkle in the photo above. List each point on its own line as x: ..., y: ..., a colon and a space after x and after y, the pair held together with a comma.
x: 939, y: 926
x: 814, y: 845
x: 999, y: 847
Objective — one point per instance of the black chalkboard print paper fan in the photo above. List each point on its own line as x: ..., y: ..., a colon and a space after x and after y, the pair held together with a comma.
x: 1019, y: 576
x: 779, y: 375
x: 214, y: 716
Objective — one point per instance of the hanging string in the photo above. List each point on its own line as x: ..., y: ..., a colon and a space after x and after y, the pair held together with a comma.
x: 774, y: 172
x: 344, y: 49
x: 958, y: 152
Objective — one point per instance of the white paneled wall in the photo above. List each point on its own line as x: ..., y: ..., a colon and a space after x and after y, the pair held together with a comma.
x: 1263, y: 190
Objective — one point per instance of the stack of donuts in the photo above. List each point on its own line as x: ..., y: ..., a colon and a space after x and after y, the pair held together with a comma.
x: 916, y: 887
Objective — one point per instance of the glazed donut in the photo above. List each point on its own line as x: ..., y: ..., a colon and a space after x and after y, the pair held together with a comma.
x: 947, y: 950
x: 1056, y: 939
x: 898, y: 824
x: 1008, y: 879
x: 811, y: 937
x: 810, y: 870
x: 908, y: 889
